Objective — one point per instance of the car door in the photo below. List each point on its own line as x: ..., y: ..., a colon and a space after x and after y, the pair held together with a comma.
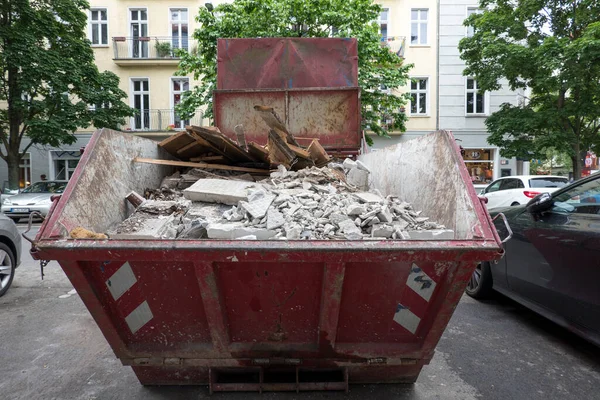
x: 491, y: 192
x: 510, y: 192
x: 555, y: 259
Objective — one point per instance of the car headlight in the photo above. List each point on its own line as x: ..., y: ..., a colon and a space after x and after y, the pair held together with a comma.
x: 6, y: 202
x: 45, y: 202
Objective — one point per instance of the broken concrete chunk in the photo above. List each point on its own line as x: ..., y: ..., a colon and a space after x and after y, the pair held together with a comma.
x: 367, y: 197
x: 382, y: 230
x: 361, y: 166
x: 385, y: 215
x: 237, y: 230
x: 440, y: 234
x: 359, y: 178
x: 337, y: 218
x: 259, y: 206
x: 275, y: 219
x: 356, y: 209
x: 219, y: 191
x: 349, y: 164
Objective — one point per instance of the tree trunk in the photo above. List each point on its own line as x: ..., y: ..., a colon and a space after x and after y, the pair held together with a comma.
x: 13, y: 169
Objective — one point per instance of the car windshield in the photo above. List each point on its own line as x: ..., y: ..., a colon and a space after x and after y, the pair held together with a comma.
x: 46, y: 187
x: 548, y: 182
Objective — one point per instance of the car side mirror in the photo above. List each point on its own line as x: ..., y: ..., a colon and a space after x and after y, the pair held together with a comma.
x: 540, y: 203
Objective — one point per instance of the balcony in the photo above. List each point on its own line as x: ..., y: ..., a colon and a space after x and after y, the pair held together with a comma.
x: 166, y: 120
x: 396, y: 44
x: 150, y: 50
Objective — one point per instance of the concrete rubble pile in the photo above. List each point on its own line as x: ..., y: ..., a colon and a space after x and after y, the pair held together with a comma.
x: 331, y: 202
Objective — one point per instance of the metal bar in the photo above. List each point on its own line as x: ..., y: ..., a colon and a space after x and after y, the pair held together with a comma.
x: 288, y: 90
x: 333, y: 282
x: 211, y: 299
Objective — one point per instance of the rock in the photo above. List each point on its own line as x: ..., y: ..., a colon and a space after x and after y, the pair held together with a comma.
x: 382, y: 230
x: 385, y: 215
x: 292, y: 232
x: 282, y: 198
x: 248, y: 237
x: 367, y: 197
x: 280, y: 173
x: 349, y: 164
x: 258, y: 207
x: 350, y: 230
x: 400, y: 225
x: 275, y: 219
x: 359, y: 178
x: 438, y: 234
x: 236, y: 230
x: 361, y: 166
x: 337, y: 218
x: 218, y: 191
x: 356, y: 209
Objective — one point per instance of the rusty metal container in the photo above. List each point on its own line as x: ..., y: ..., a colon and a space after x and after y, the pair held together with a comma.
x: 311, y: 83
x: 265, y: 315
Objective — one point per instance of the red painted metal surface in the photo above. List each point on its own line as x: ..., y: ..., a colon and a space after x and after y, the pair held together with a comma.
x: 276, y: 63
x: 311, y: 83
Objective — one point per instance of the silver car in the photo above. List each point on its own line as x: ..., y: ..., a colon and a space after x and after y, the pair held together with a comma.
x: 10, y: 252
x: 35, y: 197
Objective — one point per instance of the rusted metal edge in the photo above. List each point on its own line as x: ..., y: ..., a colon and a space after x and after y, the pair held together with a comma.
x: 283, y: 90
x: 231, y: 362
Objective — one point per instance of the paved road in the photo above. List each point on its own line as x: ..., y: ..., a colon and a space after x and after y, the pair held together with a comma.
x: 50, y: 348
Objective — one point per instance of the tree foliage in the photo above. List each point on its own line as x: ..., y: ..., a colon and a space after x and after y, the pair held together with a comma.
x: 550, y: 50
x: 378, y: 67
x: 48, y: 79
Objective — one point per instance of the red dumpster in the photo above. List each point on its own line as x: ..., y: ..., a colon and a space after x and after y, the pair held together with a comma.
x: 273, y: 315
x: 264, y: 315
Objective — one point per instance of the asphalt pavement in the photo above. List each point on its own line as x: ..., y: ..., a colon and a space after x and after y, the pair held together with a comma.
x: 51, y: 348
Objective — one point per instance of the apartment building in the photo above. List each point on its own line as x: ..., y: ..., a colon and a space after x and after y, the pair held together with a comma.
x: 409, y: 28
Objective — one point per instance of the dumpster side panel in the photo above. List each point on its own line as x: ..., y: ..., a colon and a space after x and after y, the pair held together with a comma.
x: 426, y: 172
x: 95, y: 196
x: 332, y: 116
x: 274, y: 63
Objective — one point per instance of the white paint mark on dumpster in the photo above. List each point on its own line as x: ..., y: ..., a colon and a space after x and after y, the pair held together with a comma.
x: 406, y: 318
x: 139, y: 317
x: 233, y: 258
x: 121, y: 281
x: 420, y: 282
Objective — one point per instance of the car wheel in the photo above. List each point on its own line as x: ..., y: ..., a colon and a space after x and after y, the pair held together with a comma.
x: 480, y: 284
x: 514, y: 204
x: 7, y: 268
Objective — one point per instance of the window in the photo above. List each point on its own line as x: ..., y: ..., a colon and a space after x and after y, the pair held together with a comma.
x: 471, y: 11
x: 178, y: 87
x: 419, y: 89
x: 99, y: 26
x: 141, y: 103
x: 25, y: 171
x: 418, y: 26
x: 139, y: 33
x: 548, y: 182
x: 508, y: 184
x: 64, y: 164
x: 480, y: 164
x: 582, y: 199
x: 179, y: 28
x: 494, y: 187
x: 383, y: 24
x: 475, y: 98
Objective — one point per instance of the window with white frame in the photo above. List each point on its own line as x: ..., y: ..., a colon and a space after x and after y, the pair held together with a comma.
x: 419, y: 96
x: 471, y: 11
x: 418, y: 26
x: 141, y: 103
x: 383, y: 24
x: 178, y: 87
x: 99, y: 26
x: 179, y: 28
x: 475, y: 103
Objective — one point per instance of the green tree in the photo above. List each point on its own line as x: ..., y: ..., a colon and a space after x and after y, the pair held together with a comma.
x: 48, y: 79
x: 550, y: 50
x: 378, y: 66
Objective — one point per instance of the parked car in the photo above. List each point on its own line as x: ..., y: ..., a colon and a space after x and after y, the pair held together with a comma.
x: 5, y: 192
x: 552, y: 262
x: 516, y: 190
x: 33, y: 198
x: 10, y: 252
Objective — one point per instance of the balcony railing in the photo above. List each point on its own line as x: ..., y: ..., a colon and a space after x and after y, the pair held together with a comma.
x: 151, y: 47
x: 396, y: 44
x: 160, y: 121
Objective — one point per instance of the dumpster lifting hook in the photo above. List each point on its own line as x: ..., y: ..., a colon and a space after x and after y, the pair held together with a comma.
x: 43, y: 263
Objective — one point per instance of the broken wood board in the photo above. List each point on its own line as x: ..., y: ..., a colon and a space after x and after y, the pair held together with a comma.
x: 300, y: 152
x: 279, y: 151
x: 183, y: 146
x: 318, y: 153
x: 222, y: 144
x: 271, y: 118
x: 258, y: 152
x: 199, y: 165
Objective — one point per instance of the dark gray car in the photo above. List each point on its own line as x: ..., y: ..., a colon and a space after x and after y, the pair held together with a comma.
x: 10, y: 252
x: 552, y: 262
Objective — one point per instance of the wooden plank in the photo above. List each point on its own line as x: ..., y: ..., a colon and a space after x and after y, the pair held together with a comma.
x: 271, y: 118
x: 279, y: 152
x: 258, y: 152
x: 207, y: 158
x: 192, y: 150
x: 300, y: 152
x: 318, y: 153
x: 222, y: 144
x: 173, y: 143
x: 197, y: 165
